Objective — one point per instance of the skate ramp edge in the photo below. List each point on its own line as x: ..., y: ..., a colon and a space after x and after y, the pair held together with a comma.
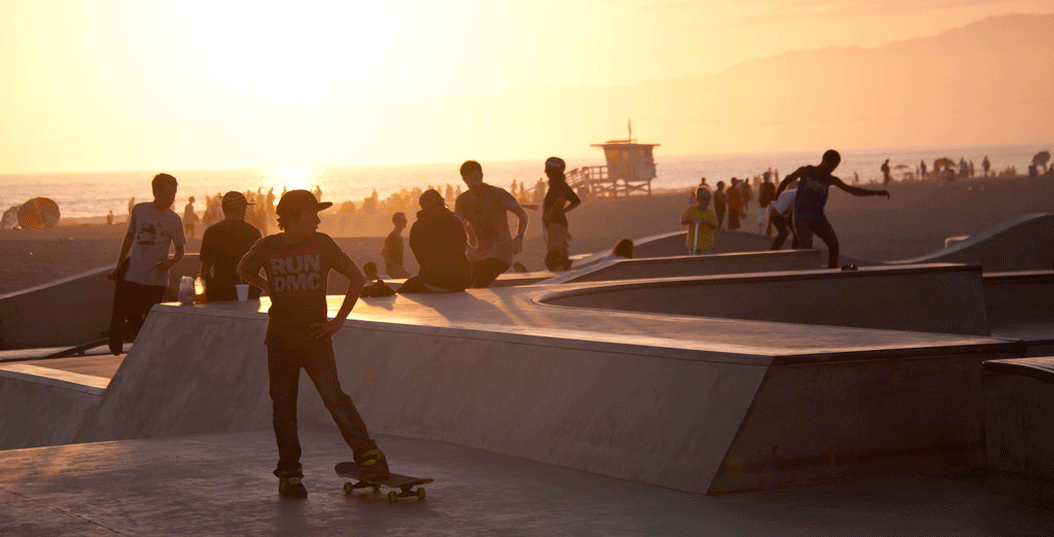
x: 938, y: 298
x: 1022, y: 243
x: 44, y: 406
x: 691, y: 416
x: 699, y: 265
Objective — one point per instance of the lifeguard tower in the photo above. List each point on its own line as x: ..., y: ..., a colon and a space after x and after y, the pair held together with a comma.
x: 630, y: 168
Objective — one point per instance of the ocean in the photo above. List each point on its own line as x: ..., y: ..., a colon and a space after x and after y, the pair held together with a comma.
x: 94, y: 194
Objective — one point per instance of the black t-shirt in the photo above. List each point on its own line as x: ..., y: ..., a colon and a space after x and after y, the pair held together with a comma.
x: 558, y: 189
x: 223, y: 245
x: 296, y: 279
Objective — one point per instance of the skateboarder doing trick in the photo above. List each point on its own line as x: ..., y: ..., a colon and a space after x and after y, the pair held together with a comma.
x: 809, y: 217
x: 297, y: 262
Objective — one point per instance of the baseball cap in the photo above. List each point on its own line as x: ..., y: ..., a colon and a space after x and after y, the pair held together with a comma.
x: 234, y: 200
x: 555, y: 163
x: 295, y: 201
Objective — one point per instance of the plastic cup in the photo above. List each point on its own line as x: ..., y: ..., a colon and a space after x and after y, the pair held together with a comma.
x: 243, y: 291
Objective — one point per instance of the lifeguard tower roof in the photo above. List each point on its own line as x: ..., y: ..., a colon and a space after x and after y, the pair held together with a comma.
x: 630, y: 168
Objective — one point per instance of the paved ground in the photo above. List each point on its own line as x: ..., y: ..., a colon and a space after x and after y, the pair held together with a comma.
x: 221, y: 485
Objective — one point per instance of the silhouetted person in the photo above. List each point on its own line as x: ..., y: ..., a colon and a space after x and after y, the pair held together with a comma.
x: 393, y: 248
x: 720, y: 202
x: 142, y: 266
x: 482, y: 208
x: 375, y: 286
x: 809, y: 217
x: 766, y: 195
x: 623, y: 248
x: 735, y: 204
x: 438, y: 242
x: 190, y: 219
x: 297, y: 262
x: 780, y: 211
x: 922, y: 169
x: 885, y: 172
x: 222, y: 245
x: 986, y: 165
x: 559, y: 200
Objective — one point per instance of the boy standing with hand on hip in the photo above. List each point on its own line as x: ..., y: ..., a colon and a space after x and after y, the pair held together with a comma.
x: 297, y: 262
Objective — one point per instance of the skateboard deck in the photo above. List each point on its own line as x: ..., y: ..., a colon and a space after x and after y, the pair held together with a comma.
x: 404, y: 483
x: 117, y: 318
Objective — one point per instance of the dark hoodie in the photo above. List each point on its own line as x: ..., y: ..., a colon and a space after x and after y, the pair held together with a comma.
x: 437, y: 240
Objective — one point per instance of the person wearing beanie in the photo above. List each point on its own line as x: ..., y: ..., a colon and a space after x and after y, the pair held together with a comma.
x: 437, y: 240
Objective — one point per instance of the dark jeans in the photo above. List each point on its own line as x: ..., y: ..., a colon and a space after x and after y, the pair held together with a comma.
x: 784, y: 227
x: 136, y: 301
x: 822, y: 229
x: 485, y: 271
x: 283, y: 366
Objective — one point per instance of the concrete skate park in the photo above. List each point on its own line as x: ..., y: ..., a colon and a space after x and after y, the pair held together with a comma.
x: 750, y: 389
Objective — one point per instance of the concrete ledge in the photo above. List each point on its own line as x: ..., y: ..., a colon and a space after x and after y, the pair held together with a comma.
x: 1019, y: 396
x: 45, y: 406
x: 56, y: 378
x: 700, y: 265
x: 871, y: 297
x: 1022, y: 243
x: 489, y: 369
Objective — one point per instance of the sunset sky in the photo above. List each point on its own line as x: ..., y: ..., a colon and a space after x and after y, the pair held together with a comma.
x: 116, y: 85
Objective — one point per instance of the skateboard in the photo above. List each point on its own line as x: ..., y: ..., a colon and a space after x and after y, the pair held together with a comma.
x: 404, y: 483
x: 117, y: 319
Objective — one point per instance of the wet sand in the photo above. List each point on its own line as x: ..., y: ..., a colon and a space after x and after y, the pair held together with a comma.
x: 914, y: 221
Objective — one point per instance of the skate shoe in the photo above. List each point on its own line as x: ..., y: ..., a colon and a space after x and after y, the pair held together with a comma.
x: 291, y: 487
x: 373, y: 464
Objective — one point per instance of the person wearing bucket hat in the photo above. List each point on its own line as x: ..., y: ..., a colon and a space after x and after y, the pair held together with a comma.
x: 559, y: 200
x: 222, y: 245
x: 483, y: 208
x: 297, y: 262
x: 437, y: 240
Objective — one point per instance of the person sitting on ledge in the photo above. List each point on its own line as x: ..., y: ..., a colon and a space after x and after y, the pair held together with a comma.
x: 438, y: 241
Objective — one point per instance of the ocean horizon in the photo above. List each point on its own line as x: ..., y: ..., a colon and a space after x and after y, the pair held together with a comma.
x: 93, y: 194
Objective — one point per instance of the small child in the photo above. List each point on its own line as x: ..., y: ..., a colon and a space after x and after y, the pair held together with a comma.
x: 701, y: 221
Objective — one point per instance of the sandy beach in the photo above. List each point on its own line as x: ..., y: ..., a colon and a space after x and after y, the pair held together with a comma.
x: 914, y: 221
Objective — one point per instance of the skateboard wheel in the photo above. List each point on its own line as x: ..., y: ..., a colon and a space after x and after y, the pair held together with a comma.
x: 348, y: 488
x: 393, y: 497
x: 421, y: 494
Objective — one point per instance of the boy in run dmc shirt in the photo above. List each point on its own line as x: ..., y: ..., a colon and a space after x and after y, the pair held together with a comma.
x: 297, y: 262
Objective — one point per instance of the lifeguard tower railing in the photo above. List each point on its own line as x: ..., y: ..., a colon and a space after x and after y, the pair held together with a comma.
x: 599, y: 184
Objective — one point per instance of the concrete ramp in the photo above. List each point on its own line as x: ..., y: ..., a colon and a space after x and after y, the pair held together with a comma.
x: 1022, y: 243
x: 699, y: 265
x: 72, y: 310
x: 925, y: 298
x: 702, y: 406
x: 672, y: 245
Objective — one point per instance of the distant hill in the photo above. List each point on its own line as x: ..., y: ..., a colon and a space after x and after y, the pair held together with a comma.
x: 991, y: 82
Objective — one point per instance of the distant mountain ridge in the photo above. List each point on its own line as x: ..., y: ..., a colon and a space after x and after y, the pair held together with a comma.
x: 987, y: 83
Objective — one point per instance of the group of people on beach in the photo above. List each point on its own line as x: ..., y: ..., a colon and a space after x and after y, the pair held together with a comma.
x: 467, y: 247
x: 795, y: 207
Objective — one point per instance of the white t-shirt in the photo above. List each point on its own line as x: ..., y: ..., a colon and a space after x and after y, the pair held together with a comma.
x: 784, y: 203
x: 153, y: 233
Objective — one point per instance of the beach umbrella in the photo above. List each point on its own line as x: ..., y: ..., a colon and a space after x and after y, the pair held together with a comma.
x: 10, y: 218
x: 901, y: 167
x: 1041, y: 158
x: 943, y: 163
x: 37, y: 213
